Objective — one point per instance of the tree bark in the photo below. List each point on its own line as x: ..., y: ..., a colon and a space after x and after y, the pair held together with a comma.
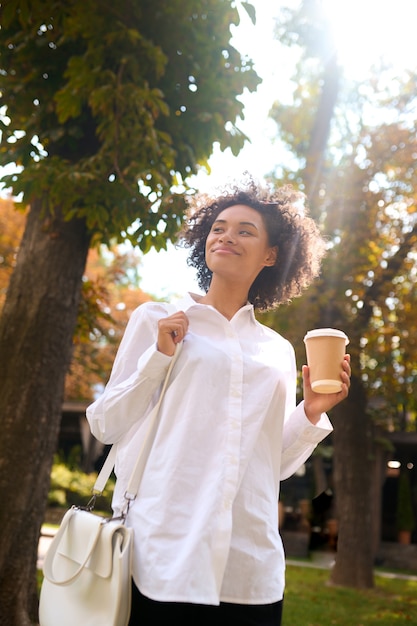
x: 353, y: 467
x: 36, y: 329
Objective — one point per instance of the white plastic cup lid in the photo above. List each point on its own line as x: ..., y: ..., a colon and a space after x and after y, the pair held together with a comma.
x: 326, y: 332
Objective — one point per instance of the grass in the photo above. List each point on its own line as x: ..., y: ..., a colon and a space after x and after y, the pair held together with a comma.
x: 310, y: 601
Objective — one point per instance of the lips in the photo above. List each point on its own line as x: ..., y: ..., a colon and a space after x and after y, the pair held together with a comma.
x: 223, y: 250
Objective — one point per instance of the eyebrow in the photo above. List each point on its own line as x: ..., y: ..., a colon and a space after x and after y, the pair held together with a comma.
x: 240, y: 223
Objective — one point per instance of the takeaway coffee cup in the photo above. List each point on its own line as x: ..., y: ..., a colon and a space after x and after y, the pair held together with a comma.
x: 325, y: 349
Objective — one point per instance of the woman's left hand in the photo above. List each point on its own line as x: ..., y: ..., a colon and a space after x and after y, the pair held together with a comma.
x: 317, y: 403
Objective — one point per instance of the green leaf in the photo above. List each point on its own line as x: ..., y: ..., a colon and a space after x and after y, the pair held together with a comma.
x: 251, y: 11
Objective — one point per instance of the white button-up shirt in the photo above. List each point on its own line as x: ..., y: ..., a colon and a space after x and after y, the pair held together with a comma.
x: 206, y: 515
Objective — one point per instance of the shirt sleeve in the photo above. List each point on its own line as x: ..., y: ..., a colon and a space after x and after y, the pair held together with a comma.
x: 300, y: 436
x: 300, y: 439
x: 137, y: 373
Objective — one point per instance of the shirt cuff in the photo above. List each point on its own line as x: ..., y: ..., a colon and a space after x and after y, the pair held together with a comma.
x: 314, y: 433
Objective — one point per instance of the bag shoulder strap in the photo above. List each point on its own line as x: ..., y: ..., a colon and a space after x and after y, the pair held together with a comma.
x: 136, y: 475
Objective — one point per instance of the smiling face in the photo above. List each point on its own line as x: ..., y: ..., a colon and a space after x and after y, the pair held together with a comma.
x: 237, y: 245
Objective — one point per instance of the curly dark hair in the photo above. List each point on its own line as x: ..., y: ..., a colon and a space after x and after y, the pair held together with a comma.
x: 297, y: 237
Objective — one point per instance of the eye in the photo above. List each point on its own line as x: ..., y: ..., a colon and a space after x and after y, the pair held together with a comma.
x: 216, y: 229
x: 245, y: 232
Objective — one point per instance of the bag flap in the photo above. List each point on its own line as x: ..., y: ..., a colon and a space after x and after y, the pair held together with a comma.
x: 82, y: 530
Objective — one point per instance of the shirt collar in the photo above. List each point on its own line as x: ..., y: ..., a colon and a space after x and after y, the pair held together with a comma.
x: 188, y: 302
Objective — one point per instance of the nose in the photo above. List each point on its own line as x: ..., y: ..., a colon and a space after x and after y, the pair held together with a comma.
x: 227, y: 237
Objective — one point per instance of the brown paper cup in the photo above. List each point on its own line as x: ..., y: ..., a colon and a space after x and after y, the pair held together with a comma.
x: 325, y: 349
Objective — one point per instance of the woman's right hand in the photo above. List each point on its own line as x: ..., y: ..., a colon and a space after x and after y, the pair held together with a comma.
x: 171, y: 330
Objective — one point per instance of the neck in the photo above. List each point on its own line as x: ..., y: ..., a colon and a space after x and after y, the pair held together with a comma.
x: 227, y: 300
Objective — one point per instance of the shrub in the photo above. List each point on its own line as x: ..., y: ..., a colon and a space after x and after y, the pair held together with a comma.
x: 72, y: 486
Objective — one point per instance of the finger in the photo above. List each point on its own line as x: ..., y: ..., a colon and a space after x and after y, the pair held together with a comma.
x: 346, y: 374
x: 178, y: 334
x: 172, y: 330
x: 306, y: 376
x: 179, y: 330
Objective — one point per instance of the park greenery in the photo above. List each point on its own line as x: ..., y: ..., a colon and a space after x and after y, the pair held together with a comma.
x: 70, y: 486
x: 108, y: 117
x: 311, y: 601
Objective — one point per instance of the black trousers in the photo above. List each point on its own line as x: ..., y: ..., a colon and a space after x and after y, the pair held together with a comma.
x: 146, y: 612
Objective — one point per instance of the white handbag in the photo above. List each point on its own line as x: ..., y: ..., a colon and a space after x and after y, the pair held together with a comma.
x: 87, y: 569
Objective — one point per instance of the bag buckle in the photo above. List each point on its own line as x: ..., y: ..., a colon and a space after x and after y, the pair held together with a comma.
x: 89, y: 506
x: 128, y: 501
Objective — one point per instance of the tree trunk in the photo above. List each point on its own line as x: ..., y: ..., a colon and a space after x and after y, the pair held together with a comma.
x: 320, y: 479
x: 36, y: 329
x: 320, y: 133
x: 380, y: 464
x: 353, y: 480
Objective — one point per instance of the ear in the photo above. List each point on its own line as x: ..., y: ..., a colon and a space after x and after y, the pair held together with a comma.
x: 271, y: 257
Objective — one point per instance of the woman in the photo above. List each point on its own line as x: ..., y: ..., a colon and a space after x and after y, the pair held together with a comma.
x: 205, y: 518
